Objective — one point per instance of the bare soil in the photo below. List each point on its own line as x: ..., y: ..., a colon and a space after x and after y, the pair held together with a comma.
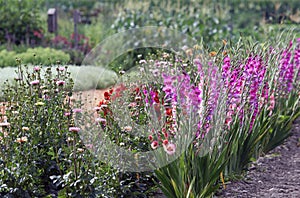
x: 90, y: 98
x: 275, y: 175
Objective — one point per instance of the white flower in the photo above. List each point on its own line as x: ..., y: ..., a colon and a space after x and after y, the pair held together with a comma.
x: 97, y: 108
x: 25, y: 128
x: 142, y: 61
x: 22, y: 139
x: 70, y: 139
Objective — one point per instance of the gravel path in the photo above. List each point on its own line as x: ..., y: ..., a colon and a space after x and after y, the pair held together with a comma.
x: 90, y: 98
x: 275, y: 175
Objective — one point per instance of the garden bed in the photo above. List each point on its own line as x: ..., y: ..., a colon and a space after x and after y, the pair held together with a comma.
x: 273, y: 175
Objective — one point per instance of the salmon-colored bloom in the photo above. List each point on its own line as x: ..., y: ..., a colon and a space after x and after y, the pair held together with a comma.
x: 213, y: 53
x: 127, y: 128
x: 165, y: 142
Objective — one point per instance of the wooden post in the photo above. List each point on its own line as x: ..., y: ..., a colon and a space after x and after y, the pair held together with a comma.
x: 76, y: 18
x: 52, y: 20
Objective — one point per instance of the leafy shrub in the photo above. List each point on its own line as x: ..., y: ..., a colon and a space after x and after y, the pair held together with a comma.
x: 45, y: 56
x: 19, y: 20
x: 7, y: 58
x: 41, y: 151
x: 76, y: 56
x: 16, y: 48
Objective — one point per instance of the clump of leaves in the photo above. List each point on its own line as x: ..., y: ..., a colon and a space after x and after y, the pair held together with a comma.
x: 41, y: 151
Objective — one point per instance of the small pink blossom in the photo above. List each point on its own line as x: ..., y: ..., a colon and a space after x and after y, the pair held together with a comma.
x: 89, y: 146
x: 170, y: 148
x: 60, y: 83
x: 61, y: 69
x: 74, y: 129
x: 132, y: 104
x: 35, y: 82
x: 36, y: 68
x: 67, y: 114
x: 77, y: 110
x: 101, y: 120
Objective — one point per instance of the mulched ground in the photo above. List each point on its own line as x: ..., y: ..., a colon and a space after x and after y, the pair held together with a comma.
x: 277, y: 174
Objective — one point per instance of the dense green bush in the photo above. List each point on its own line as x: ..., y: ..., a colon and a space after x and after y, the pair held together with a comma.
x: 20, y: 21
x: 45, y: 56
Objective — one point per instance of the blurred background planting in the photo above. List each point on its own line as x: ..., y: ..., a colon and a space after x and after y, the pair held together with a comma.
x: 24, y: 23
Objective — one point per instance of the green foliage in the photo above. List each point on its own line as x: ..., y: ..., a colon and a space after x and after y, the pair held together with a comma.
x: 37, y: 56
x: 76, y: 56
x: 41, y: 155
x: 19, y: 19
x: 193, y: 175
x: 286, y: 111
x: 210, y: 21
